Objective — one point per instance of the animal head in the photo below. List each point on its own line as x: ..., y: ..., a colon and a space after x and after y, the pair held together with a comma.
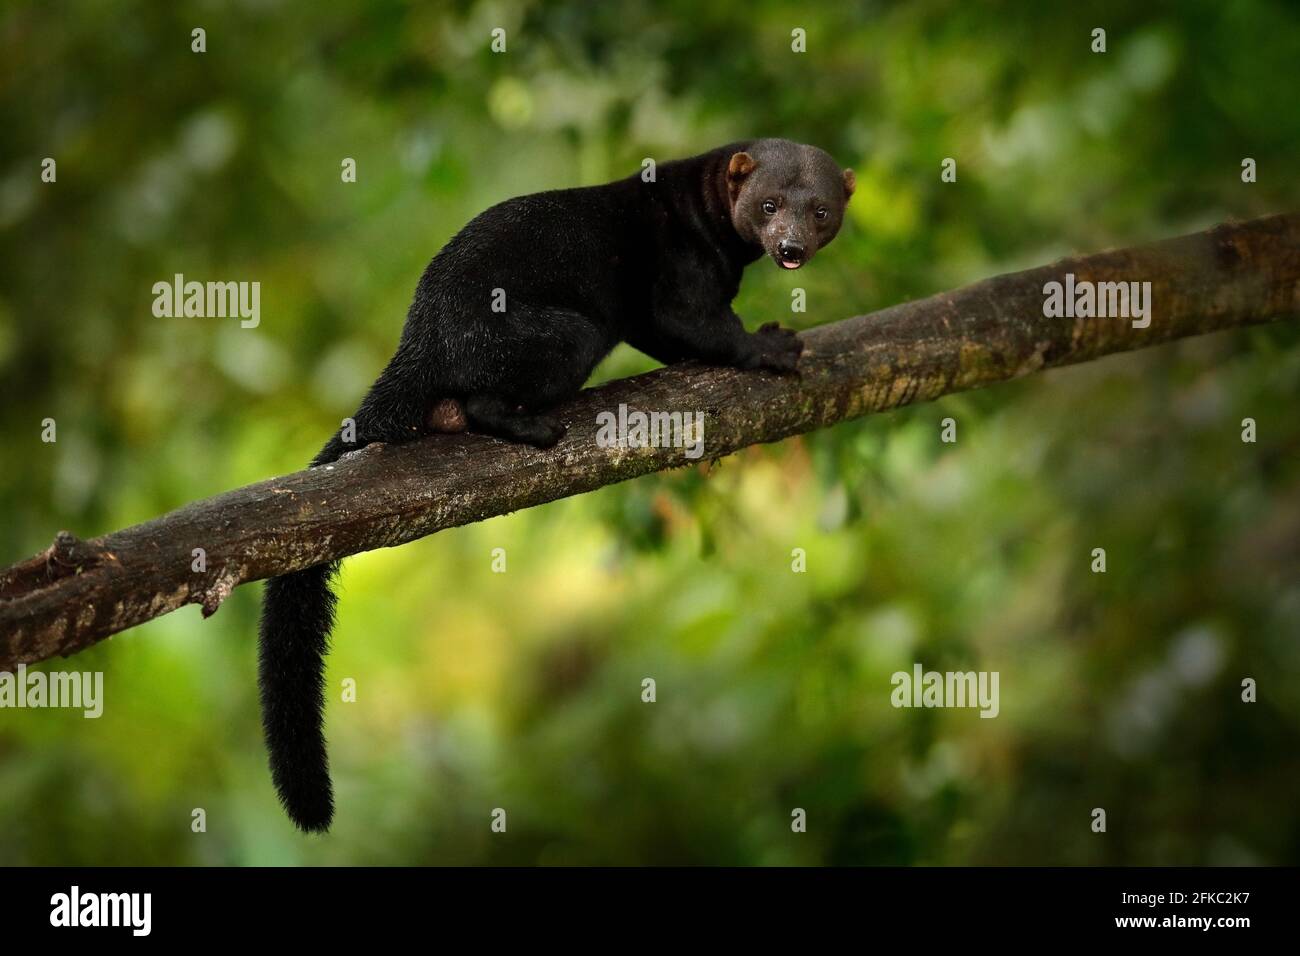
x: 787, y: 198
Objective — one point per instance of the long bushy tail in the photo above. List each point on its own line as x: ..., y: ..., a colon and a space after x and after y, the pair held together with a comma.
x: 298, y: 615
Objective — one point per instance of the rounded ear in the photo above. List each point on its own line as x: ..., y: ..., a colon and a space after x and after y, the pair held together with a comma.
x: 741, y: 165
x: 850, y: 183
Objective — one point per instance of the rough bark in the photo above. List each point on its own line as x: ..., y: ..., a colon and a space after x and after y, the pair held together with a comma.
x: 79, y: 592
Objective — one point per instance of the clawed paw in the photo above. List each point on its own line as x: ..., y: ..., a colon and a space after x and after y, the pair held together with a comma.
x: 541, y: 431
x: 776, y: 348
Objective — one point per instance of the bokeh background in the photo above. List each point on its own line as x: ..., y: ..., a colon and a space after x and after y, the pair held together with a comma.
x: 522, y: 690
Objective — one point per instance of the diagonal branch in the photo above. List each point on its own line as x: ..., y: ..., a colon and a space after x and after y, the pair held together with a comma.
x: 79, y: 592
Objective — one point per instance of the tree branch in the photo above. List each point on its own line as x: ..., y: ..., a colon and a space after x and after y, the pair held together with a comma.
x: 79, y: 592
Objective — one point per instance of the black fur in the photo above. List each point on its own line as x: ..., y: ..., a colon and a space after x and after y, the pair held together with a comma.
x: 655, y: 264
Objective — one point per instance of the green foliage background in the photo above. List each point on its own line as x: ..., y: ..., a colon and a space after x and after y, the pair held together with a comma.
x: 522, y: 690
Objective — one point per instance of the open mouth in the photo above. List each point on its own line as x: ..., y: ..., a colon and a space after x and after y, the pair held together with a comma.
x: 789, y: 262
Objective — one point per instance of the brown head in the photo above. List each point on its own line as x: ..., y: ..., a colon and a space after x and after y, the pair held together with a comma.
x: 788, y: 198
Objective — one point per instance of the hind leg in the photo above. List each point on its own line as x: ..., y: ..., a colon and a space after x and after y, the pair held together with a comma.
x: 537, y: 359
x: 494, y: 414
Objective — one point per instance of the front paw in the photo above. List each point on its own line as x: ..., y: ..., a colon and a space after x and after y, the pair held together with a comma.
x: 775, y: 348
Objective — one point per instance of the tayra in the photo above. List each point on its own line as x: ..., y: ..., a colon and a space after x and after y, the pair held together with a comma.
x: 510, y: 318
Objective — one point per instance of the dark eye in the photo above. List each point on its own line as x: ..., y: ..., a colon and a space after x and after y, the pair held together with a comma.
x: 769, y: 206
x: 821, y: 213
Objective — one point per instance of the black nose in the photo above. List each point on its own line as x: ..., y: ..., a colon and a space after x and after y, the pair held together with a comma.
x: 790, y: 251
